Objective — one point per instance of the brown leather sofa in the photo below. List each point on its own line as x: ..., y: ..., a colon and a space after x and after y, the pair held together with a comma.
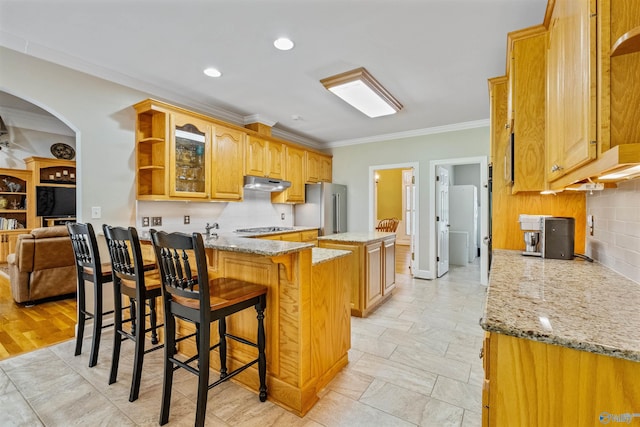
x: 43, y: 265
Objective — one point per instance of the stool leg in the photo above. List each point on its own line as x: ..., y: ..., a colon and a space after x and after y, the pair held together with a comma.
x: 132, y: 314
x: 139, y: 353
x: 222, y: 331
x: 203, y: 373
x: 153, y: 319
x: 262, y: 360
x: 167, y: 379
x: 117, y: 327
x: 82, y: 313
x: 97, y: 322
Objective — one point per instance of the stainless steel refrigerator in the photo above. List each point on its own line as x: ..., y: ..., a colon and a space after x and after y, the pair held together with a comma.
x: 325, y: 207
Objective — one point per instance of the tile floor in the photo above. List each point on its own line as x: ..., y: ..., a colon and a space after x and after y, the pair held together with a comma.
x: 414, y: 361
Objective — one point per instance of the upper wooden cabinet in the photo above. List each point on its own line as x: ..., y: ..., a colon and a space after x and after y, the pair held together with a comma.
x: 264, y: 158
x: 190, y: 147
x: 294, y: 166
x: 318, y: 167
x: 227, y: 179
x: 571, y: 96
x: 526, y: 111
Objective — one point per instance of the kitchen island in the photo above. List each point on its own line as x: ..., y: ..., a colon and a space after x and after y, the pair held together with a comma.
x: 307, y: 319
x: 562, y: 344
x: 373, y: 270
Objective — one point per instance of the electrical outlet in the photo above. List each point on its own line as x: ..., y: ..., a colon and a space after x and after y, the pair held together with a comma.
x: 156, y: 220
x: 96, y: 212
x: 187, y: 219
x: 282, y: 216
x: 145, y: 221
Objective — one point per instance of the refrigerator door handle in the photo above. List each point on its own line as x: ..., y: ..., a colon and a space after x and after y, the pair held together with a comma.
x: 336, y: 213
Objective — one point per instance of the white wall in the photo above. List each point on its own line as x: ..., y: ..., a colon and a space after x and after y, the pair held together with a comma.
x: 616, y: 239
x: 351, y: 167
x: 27, y: 143
x: 101, y: 115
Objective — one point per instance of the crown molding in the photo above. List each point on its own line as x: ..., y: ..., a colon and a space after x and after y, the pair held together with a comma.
x: 410, y: 133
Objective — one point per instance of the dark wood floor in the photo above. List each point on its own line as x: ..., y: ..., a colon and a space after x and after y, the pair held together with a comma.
x: 23, y: 329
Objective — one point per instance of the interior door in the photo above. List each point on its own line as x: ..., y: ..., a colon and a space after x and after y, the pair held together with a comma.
x: 442, y: 220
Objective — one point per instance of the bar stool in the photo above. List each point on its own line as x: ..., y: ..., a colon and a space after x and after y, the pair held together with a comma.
x: 89, y: 268
x: 189, y: 295
x: 131, y: 277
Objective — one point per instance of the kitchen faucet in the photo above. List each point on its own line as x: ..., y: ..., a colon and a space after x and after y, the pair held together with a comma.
x: 209, y: 227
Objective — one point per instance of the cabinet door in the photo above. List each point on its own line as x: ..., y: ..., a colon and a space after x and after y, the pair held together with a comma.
x: 256, y: 154
x: 294, y: 166
x: 572, y: 93
x: 275, y: 160
x: 190, y: 146
x: 227, y: 164
x: 389, y: 267
x: 326, y: 169
x: 529, y: 82
x: 314, y: 167
x: 373, y: 272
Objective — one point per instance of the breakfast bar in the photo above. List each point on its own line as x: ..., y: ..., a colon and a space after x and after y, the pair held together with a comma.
x: 562, y: 344
x: 307, y: 319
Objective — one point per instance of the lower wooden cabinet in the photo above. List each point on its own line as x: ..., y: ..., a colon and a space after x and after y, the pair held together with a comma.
x: 306, y: 236
x: 372, y: 274
x: 8, y: 241
x: 530, y: 383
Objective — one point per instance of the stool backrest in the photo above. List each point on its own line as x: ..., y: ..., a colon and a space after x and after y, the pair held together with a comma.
x: 85, y: 250
x: 388, y: 224
x: 183, y: 267
x: 125, y: 252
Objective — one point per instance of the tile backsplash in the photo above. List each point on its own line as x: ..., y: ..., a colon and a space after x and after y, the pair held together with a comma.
x: 254, y: 211
x: 616, y: 235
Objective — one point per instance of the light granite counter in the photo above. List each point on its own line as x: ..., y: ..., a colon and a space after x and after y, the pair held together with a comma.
x: 575, y: 304
x: 320, y: 255
x: 357, y: 237
x: 292, y: 229
x: 233, y: 243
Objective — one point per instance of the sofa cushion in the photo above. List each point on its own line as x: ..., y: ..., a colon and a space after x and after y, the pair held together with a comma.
x: 46, y: 232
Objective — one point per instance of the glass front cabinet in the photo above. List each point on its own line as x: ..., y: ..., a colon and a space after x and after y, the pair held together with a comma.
x: 189, y: 174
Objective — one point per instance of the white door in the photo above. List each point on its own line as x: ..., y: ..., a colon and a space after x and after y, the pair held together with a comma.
x: 442, y: 220
x: 406, y: 229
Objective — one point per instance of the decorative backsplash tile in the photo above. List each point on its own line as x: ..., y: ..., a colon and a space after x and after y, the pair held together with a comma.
x: 616, y: 234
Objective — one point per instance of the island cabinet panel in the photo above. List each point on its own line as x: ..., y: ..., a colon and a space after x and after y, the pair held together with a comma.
x: 531, y: 383
x: 307, y: 323
x: 372, y: 273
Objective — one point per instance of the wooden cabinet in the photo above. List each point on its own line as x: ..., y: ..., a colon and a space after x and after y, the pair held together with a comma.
x: 506, y: 206
x: 227, y: 164
x: 372, y: 273
x: 571, y: 116
x: 17, y: 208
x: 526, y: 115
x: 306, y: 236
x: 264, y: 158
x: 47, y: 175
x: 295, y: 173
x: 190, y: 147
x: 318, y: 167
x: 152, y: 151
x: 530, y: 383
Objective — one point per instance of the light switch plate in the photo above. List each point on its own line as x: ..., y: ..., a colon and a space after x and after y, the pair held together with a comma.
x: 96, y: 212
x: 145, y: 221
x: 187, y: 219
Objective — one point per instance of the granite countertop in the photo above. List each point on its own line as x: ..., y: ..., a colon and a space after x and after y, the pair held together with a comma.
x: 320, y: 255
x: 294, y: 229
x: 576, y: 304
x: 233, y: 243
x: 357, y: 236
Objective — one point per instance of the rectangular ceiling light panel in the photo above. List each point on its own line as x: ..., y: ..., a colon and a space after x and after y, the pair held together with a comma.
x: 359, y: 89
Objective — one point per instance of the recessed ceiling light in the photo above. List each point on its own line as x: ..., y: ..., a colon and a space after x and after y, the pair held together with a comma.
x: 283, y: 43
x: 212, y: 72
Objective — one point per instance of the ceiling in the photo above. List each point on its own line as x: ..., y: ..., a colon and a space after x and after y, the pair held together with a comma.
x: 434, y: 56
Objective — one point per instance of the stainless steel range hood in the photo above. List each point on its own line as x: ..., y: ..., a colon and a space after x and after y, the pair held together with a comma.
x: 265, y: 184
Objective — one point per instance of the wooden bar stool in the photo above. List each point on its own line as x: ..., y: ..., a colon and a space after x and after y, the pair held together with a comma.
x: 140, y: 282
x: 189, y: 295
x: 89, y: 268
